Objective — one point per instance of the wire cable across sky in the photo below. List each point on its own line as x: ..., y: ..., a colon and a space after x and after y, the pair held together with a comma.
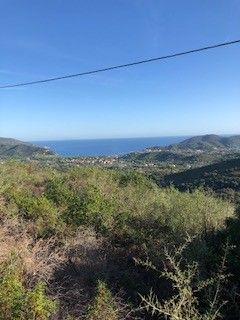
x: 126, y: 65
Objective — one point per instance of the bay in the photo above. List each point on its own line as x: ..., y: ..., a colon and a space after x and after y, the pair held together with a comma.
x: 106, y: 147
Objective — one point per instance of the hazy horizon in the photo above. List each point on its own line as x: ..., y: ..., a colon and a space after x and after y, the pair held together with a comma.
x: 137, y: 137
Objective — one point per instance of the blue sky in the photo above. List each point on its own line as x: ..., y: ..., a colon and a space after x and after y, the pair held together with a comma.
x: 194, y: 94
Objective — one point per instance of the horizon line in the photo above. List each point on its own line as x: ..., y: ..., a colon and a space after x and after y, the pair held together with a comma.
x: 138, y: 137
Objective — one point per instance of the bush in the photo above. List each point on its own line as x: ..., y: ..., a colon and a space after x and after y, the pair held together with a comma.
x: 41, y: 211
x: 187, y: 287
x: 194, y: 213
x: 58, y: 191
x: 103, y: 306
x: 11, y: 292
x: 90, y: 207
x: 18, y: 302
x: 131, y: 215
x: 38, y: 305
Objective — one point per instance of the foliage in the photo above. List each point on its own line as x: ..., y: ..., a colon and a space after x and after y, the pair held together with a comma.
x: 11, y: 293
x: 187, y: 287
x: 39, y: 306
x: 43, y: 211
x: 103, y: 306
x: 222, y: 177
x: 19, y: 303
x: 40, y: 210
x: 18, y: 149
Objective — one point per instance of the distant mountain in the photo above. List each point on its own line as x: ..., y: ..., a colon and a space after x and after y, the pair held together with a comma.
x: 209, y: 141
x: 12, y: 148
x: 222, y: 177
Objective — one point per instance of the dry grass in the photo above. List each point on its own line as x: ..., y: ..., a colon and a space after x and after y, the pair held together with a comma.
x: 39, y: 258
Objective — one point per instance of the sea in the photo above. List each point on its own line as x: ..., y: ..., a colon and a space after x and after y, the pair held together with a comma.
x: 106, y: 147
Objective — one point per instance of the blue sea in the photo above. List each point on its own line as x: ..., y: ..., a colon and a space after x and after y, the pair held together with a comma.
x: 105, y: 147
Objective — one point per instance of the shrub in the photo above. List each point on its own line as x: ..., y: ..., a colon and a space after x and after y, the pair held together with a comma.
x: 40, y: 210
x: 38, y: 305
x: 99, y: 210
x: 103, y: 306
x: 90, y: 207
x: 187, y: 285
x: 18, y: 302
x: 133, y: 178
x: 11, y: 292
x: 193, y: 213
x: 58, y: 191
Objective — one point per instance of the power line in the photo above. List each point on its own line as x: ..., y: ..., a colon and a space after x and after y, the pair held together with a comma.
x: 174, y: 55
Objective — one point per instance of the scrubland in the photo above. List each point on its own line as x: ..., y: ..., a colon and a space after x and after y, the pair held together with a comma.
x: 88, y: 243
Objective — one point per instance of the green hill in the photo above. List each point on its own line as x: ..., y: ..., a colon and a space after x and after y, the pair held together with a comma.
x: 161, y: 156
x: 12, y: 148
x: 209, y: 141
x: 222, y: 177
x: 195, y: 151
x: 179, y: 157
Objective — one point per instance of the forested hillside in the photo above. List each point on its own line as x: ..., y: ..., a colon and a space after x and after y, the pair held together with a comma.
x: 209, y: 142
x: 222, y: 177
x: 11, y: 148
x: 89, y: 243
x: 194, y: 152
x: 176, y: 157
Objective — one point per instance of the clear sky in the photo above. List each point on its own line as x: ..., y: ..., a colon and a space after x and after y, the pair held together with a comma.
x: 194, y: 94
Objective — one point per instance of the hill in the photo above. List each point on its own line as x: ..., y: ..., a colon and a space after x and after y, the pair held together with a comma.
x: 209, y: 141
x: 222, y: 177
x: 193, y: 152
x: 179, y: 157
x: 12, y: 148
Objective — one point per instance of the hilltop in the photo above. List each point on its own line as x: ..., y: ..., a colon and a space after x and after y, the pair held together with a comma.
x: 17, y: 149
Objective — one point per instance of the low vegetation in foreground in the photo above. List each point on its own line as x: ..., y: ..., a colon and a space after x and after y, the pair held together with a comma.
x: 88, y: 243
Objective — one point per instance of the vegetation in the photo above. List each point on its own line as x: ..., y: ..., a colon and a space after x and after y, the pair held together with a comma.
x: 19, y: 302
x: 177, y: 160
x: 223, y: 178
x: 70, y: 240
x: 18, y: 149
x: 210, y: 141
x: 184, y: 305
x: 190, y: 153
x: 103, y: 305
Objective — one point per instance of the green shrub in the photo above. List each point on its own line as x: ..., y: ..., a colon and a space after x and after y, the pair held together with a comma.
x: 90, y: 207
x: 58, y: 191
x: 99, y: 210
x: 38, y: 305
x: 193, y: 213
x: 133, y: 178
x: 18, y: 302
x: 12, y: 292
x: 136, y: 217
x: 41, y: 211
x: 103, y: 306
